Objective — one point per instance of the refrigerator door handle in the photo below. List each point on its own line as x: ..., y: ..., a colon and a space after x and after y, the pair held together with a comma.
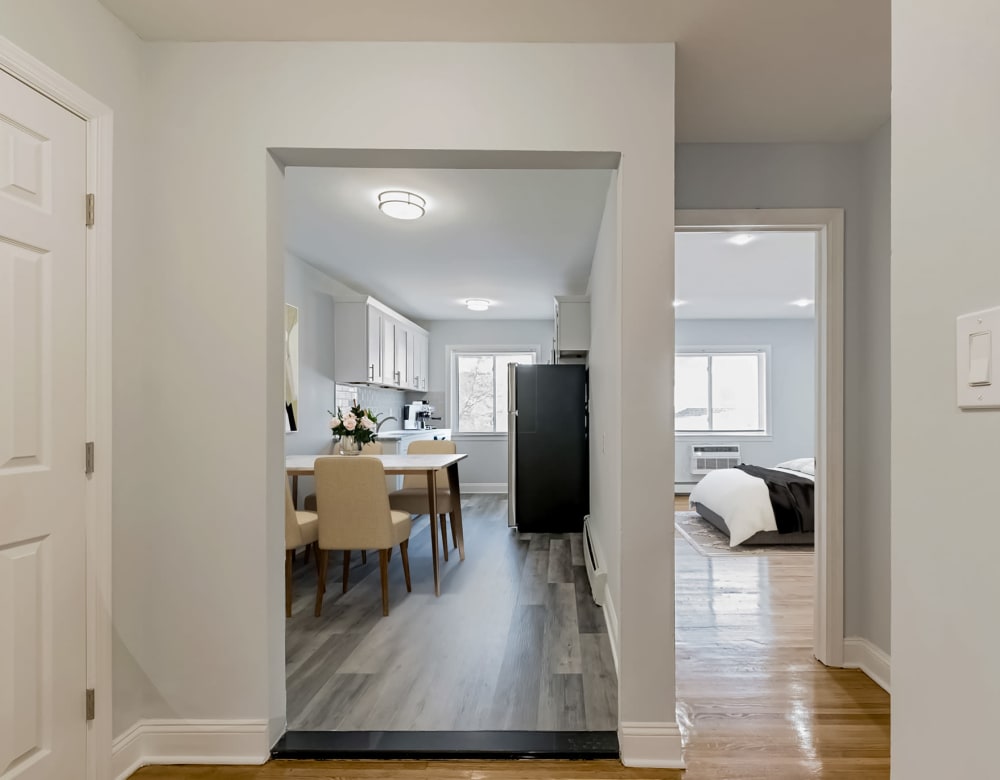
x: 512, y: 445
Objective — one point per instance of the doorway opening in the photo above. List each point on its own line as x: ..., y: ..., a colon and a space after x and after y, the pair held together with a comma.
x: 497, y: 649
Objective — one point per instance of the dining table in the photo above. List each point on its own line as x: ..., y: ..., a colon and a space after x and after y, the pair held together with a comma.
x: 406, y: 465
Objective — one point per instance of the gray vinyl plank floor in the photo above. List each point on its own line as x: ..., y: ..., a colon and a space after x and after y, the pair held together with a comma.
x: 513, y: 643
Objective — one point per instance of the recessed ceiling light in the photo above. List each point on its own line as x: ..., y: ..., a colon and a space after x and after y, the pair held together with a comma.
x: 740, y: 239
x: 477, y: 304
x: 803, y: 302
x: 400, y: 204
x: 679, y: 302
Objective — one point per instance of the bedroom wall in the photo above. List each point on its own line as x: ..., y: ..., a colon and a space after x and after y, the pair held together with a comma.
x: 945, y: 534
x: 792, y: 378
x: 486, y: 468
x: 825, y: 176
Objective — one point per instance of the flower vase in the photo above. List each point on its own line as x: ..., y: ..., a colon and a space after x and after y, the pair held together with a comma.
x: 350, y: 446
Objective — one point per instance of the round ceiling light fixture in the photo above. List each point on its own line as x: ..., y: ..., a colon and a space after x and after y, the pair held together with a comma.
x: 802, y: 302
x: 740, y: 239
x: 400, y: 204
x: 477, y: 304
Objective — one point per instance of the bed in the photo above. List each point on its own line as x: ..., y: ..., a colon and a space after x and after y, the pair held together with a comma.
x: 755, y: 505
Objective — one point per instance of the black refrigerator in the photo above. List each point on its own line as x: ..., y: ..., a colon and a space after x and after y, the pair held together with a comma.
x: 548, y: 482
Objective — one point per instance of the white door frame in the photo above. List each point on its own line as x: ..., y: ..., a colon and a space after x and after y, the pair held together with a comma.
x: 828, y: 224
x: 98, y: 117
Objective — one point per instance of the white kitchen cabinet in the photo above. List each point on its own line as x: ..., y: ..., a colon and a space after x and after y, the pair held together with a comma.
x: 572, y: 328
x: 373, y: 345
x: 421, y: 368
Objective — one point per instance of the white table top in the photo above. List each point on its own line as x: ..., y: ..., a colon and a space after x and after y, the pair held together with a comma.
x: 399, y: 464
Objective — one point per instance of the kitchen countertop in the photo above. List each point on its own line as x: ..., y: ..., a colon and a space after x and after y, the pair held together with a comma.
x: 398, y: 434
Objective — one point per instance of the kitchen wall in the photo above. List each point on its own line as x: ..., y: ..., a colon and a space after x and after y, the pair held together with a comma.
x: 792, y: 387
x: 486, y: 468
x: 945, y: 491
x: 720, y: 176
x: 312, y: 292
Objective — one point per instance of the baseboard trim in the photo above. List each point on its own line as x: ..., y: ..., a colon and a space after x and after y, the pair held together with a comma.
x: 484, y: 487
x: 684, y: 488
x: 861, y: 654
x: 654, y: 745
x: 611, y: 620
x: 189, y: 742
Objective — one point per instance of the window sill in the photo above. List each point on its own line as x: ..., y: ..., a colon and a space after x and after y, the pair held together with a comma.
x: 722, y: 435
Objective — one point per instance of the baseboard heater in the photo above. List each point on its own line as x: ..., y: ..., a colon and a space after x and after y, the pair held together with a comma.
x: 596, y: 572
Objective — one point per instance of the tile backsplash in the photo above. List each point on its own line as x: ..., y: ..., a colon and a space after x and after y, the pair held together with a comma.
x: 386, y: 403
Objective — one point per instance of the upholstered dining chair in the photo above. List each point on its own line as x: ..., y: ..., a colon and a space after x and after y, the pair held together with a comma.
x: 301, y: 530
x: 413, y: 496
x: 354, y: 514
x: 371, y: 448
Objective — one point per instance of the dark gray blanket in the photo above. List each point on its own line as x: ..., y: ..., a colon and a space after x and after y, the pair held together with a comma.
x: 791, y: 497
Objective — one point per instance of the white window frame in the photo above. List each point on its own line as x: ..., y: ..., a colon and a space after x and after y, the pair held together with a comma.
x: 453, y: 352
x: 763, y: 391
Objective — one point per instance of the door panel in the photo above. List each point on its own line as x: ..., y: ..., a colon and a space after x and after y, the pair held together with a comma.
x: 42, y: 432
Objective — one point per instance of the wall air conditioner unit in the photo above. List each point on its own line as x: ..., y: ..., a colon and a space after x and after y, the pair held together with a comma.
x: 711, y: 457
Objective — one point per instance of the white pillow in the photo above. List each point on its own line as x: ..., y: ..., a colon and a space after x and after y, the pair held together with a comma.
x: 802, y: 465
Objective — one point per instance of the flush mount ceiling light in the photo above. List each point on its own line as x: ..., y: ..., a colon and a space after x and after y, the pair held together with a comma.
x: 400, y: 204
x: 803, y: 302
x: 740, y: 239
x: 477, y: 304
x: 679, y: 302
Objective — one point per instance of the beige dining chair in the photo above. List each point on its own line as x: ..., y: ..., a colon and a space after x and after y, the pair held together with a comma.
x: 413, y: 496
x: 354, y: 514
x: 301, y: 530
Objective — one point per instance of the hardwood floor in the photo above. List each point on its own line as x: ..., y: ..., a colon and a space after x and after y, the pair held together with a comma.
x: 514, y: 642
x: 752, y: 702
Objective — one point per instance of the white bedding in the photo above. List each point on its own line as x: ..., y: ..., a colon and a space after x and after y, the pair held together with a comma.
x: 741, y: 500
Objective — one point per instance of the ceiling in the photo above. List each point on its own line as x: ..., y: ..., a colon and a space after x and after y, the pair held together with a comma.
x: 747, y: 70
x: 514, y: 237
x: 719, y: 280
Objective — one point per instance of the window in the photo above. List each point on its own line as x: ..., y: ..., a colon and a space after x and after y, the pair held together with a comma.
x: 720, y: 391
x: 479, y: 389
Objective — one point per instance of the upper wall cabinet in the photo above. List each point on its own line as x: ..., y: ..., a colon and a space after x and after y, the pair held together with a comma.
x: 572, y: 321
x: 373, y: 345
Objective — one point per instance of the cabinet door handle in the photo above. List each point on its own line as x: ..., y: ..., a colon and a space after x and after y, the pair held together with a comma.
x: 371, y: 372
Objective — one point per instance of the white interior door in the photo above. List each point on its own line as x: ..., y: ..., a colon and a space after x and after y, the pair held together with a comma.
x: 42, y: 428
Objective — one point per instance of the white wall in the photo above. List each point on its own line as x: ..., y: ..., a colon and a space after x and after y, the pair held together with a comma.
x: 791, y: 382
x: 868, y: 594
x: 945, y: 535
x: 213, y: 321
x: 824, y: 176
x: 82, y: 41
x: 604, y: 362
x: 487, y: 462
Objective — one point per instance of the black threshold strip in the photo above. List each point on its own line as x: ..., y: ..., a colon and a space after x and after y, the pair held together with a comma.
x: 583, y: 745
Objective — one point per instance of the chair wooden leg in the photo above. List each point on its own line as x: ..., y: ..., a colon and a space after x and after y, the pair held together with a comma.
x: 454, y: 531
x: 347, y: 568
x: 288, y: 583
x: 444, y: 535
x: 305, y: 556
x: 315, y: 546
x: 404, y: 552
x: 388, y: 553
x: 364, y: 556
x: 324, y: 560
x: 383, y: 565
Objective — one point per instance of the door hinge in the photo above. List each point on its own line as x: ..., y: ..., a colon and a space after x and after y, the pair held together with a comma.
x: 89, y: 458
x: 90, y: 703
x: 90, y: 209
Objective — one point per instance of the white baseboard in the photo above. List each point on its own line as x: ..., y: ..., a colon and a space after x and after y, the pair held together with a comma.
x: 611, y: 619
x: 484, y: 487
x: 684, y: 488
x: 861, y: 654
x: 189, y: 742
x: 656, y: 745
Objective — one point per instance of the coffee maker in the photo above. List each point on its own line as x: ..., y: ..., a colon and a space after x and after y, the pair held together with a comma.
x: 416, y: 415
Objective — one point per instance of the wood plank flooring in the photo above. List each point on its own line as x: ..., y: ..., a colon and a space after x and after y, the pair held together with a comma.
x: 503, y: 647
x: 752, y: 702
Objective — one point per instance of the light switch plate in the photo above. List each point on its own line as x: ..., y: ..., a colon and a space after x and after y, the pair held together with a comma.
x: 977, y: 359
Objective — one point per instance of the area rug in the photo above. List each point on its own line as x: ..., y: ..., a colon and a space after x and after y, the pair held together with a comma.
x: 711, y: 542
